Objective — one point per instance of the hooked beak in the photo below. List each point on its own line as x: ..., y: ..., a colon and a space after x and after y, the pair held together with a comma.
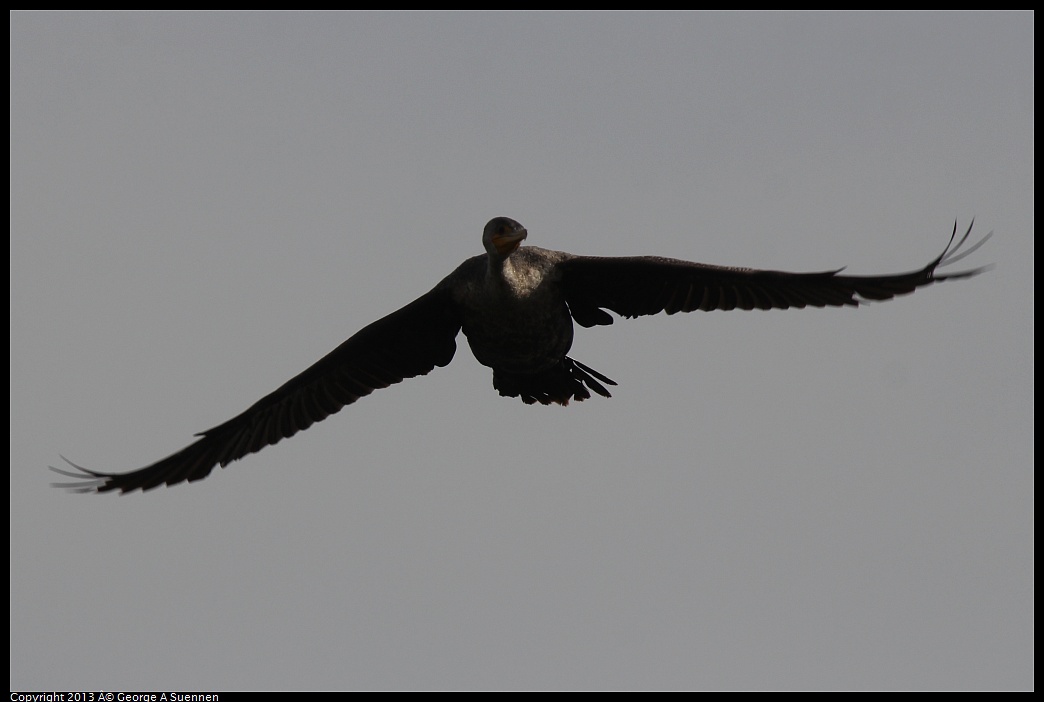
x: 507, y: 243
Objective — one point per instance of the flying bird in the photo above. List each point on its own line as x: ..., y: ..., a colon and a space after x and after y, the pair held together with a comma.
x: 516, y: 306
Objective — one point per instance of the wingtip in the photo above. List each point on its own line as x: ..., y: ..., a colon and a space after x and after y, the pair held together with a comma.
x: 950, y: 254
x: 88, y: 480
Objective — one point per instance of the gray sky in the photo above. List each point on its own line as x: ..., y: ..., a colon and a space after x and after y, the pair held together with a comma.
x: 204, y: 204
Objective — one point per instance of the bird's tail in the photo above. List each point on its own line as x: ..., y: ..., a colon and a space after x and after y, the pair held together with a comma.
x: 569, y: 380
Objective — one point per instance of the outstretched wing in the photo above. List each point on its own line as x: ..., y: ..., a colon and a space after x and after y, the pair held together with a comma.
x: 644, y: 285
x: 406, y: 343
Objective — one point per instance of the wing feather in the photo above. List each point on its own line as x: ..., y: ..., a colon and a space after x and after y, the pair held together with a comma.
x: 645, y: 285
x: 406, y: 343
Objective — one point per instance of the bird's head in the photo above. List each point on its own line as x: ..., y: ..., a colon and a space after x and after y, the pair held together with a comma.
x: 502, y: 236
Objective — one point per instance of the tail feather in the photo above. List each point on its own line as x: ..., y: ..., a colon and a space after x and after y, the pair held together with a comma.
x: 569, y: 380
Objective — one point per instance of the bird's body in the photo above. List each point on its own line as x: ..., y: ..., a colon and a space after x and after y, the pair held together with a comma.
x: 516, y: 307
x: 514, y: 314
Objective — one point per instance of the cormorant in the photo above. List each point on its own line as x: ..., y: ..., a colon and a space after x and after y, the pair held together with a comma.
x: 516, y: 306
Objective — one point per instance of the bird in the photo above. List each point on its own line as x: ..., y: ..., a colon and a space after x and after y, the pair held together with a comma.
x: 516, y: 306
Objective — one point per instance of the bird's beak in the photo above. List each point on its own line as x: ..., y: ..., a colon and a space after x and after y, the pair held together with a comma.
x: 506, y: 243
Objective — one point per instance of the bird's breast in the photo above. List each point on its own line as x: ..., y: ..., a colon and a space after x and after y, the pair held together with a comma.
x: 517, y: 322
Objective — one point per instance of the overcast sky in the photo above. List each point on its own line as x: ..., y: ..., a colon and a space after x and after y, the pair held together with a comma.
x: 204, y: 204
